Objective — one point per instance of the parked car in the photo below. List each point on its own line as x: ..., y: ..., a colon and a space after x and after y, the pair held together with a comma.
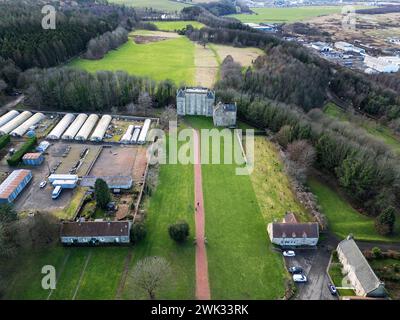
x: 299, y: 278
x: 43, y: 184
x: 288, y: 253
x: 332, y: 289
x: 296, y: 270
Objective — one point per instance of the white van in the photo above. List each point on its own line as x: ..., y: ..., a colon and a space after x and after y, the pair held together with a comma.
x: 56, y: 192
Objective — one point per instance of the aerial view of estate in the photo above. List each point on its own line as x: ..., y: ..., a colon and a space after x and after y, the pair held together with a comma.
x: 199, y: 150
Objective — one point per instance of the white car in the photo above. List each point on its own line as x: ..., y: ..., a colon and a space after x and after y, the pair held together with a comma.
x: 299, y: 278
x: 43, y: 184
x: 288, y: 253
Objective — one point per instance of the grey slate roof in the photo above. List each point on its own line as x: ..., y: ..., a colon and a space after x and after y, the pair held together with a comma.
x: 367, y: 277
x: 295, y: 230
x: 95, y: 229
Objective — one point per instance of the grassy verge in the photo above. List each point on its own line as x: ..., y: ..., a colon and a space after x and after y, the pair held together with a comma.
x: 69, y: 212
x: 343, y: 219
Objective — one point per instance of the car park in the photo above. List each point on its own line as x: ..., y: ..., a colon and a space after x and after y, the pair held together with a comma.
x: 288, y: 253
x: 296, y: 270
x: 299, y: 278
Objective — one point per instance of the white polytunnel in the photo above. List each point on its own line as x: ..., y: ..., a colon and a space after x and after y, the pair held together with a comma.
x: 61, y: 127
x: 87, y: 127
x: 143, y: 133
x: 8, y: 117
x: 135, y: 134
x: 74, y: 127
x: 25, y: 126
x: 101, y: 128
x: 126, y: 138
x: 16, y: 122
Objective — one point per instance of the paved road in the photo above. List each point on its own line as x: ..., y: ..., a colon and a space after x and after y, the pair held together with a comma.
x: 314, y: 262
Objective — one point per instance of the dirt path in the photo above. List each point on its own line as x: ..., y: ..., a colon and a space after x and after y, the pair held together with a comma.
x: 202, y: 285
x: 206, y: 65
x: 121, y: 286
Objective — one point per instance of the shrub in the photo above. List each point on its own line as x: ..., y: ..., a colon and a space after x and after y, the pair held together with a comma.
x: 4, y: 140
x: 102, y: 193
x: 138, y: 232
x: 17, y: 156
x: 179, y: 231
x: 384, y: 223
x: 376, y: 253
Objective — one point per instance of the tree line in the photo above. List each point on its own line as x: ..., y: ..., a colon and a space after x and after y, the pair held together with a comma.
x: 365, y: 168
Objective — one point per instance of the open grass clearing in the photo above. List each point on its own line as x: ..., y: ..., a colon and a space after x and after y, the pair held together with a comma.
x: 176, y: 25
x: 165, y: 5
x: 343, y: 219
x: 207, y: 66
x: 286, y: 15
x: 241, y: 262
x: 168, y: 59
x: 244, y: 56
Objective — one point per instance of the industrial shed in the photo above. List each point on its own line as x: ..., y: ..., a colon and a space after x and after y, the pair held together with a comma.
x: 14, y: 123
x: 24, y: 127
x: 144, y: 132
x: 87, y: 127
x: 101, y: 128
x: 74, y: 127
x: 14, y: 184
x: 33, y: 158
x: 8, y: 117
x: 126, y: 138
x: 59, y: 129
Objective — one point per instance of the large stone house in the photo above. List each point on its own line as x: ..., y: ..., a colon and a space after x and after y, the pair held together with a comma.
x: 95, y: 232
x: 195, y: 101
x: 291, y: 233
x: 224, y: 115
x: 358, y: 270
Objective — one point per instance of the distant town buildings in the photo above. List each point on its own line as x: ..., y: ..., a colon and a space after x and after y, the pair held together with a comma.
x: 382, y: 64
x: 224, y: 115
x: 195, y: 101
x: 348, y: 47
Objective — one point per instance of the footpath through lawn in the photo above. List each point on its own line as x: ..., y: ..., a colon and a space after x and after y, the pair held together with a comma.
x: 242, y: 264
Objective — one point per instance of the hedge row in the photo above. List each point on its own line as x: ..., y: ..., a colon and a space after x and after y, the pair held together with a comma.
x: 17, y: 156
x: 4, y: 140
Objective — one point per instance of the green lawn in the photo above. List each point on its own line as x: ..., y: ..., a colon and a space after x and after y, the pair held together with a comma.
x: 176, y: 25
x: 172, y: 200
x: 343, y: 219
x: 286, y: 15
x: 241, y: 262
x: 169, y: 59
x: 165, y: 5
x: 373, y: 128
x: 335, y: 272
x: 99, y: 281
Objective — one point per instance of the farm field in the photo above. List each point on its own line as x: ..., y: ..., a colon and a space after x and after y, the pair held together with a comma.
x: 74, y: 280
x: 168, y: 59
x: 343, y: 219
x: 286, y: 15
x: 176, y: 25
x: 165, y: 5
x: 241, y: 262
x: 373, y: 128
x: 244, y: 56
x: 172, y: 200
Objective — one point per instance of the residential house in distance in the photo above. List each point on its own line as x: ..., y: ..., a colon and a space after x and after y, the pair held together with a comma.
x: 359, y: 272
x: 291, y: 233
x: 95, y: 232
x: 195, y: 101
x: 224, y: 115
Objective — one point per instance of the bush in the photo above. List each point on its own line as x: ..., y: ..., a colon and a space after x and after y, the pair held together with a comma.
x: 179, y: 231
x: 4, y: 140
x: 376, y: 253
x: 17, y: 156
x: 384, y: 223
x: 138, y: 232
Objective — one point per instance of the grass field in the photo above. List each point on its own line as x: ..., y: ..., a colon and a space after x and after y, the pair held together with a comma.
x: 286, y: 15
x: 373, y: 128
x: 169, y: 59
x: 241, y: 262
x: 343, y: 219
x: 165, y: 5
x: 99, y: 280
x: 176, y: 25
x: 172, y: 200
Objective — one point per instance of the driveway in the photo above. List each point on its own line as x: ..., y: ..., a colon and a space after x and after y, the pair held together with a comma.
x: 314, y: 263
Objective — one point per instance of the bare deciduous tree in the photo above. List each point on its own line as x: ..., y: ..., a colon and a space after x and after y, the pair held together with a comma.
x: 168, y: 115
x: 150, y: 275
x: 301, y: 152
